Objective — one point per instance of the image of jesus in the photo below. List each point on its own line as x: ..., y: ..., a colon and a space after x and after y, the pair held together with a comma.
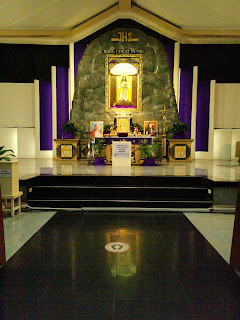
x: 124, y: 85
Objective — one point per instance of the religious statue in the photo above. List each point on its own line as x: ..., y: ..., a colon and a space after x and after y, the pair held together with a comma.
x: 124, y: 85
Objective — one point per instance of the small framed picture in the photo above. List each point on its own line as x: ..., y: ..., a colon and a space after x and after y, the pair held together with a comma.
x: 150, y: 128
x: 96, y: 128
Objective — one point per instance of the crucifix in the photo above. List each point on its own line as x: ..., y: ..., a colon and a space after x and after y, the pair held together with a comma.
x: 164, y: 139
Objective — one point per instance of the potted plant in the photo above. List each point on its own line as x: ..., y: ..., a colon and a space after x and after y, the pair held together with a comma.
x: 6, y: 154
x: 97, y: 147
x: 150, y: 152
x: 179, y: 129
x: 69, y: 129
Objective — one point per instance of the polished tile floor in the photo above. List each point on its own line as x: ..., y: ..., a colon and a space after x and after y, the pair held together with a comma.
x: 216, y: 170
x: 169, y: 271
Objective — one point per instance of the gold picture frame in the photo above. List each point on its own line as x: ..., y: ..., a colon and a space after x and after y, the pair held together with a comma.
x: 96, y: 129
x: 115, y: 84
x: 150, y: 127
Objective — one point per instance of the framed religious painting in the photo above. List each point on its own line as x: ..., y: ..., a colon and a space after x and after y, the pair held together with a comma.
x: 123, y: 82
x: 150, y: 128
x: 96, y: 129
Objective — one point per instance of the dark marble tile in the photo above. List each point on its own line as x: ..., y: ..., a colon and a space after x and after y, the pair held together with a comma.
x: 145, y: 247
x: 149, y: 282
x: 59, y: 309
x: 83, y: 282
x: 206, y: 308
x: 89, y: 247
x: 101, y: 222
x: 138, y: 222
x: 66, y: 220
x: 42, y: 252
x: 157, y: 310
x: 24, y: 282
x: 192, y: 253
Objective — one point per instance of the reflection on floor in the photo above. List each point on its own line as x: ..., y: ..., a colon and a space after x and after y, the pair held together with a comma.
x: 216, y: 170
x: 169, y: 271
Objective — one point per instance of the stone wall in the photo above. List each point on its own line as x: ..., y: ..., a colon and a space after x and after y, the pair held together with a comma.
x: 157, y: 85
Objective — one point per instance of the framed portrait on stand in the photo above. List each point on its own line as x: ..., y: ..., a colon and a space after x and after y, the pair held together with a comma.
x: 150, y: 128
x: 96, y: 129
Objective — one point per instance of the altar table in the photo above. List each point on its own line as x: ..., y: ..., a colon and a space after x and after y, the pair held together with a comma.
x: 134, y: 140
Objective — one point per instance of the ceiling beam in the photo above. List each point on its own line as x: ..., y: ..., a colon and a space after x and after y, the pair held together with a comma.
x: 125, y: 4
x: 34, y: 33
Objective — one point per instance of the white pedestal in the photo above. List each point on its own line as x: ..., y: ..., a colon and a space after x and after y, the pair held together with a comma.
x: 9, y: 177
x: 121, y: 153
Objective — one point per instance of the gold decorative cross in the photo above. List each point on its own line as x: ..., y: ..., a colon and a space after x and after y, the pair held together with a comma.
x: 164, y: 112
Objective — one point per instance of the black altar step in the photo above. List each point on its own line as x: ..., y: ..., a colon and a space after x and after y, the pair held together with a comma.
x: 115, y: 191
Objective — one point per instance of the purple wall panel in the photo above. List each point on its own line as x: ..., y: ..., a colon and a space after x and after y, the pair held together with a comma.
x: 45, y: 94
x: 62, y: 98
x: 185, y: 102
x: 202, y: 122
x: 78, y: 53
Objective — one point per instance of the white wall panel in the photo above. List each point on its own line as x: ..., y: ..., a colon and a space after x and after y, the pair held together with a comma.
x: 8, y: 138
x: 26, y: 143
x: 222, y: 144
x: 227, y: 106
x: 17, y: 105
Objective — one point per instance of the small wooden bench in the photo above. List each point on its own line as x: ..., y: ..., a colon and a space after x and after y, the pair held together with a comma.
x: 13, y: 206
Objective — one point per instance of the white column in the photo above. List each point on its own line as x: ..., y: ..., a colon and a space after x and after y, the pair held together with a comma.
x: 71, y: 75
x: 194, y: 110
x: 211, y: 119
x: 176, y: 70
x: 37, y: 117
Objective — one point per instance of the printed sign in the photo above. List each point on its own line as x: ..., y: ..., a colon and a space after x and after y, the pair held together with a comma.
x: 5, y: 173
x: 122, y: 150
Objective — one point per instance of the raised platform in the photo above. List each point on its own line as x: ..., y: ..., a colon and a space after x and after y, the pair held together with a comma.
x: 174, y: 185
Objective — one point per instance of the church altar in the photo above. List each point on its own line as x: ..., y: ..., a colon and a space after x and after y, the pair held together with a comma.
x: 135, y: 141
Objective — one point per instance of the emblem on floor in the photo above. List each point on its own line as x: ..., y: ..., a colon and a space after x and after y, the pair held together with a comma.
x: 117, y: 247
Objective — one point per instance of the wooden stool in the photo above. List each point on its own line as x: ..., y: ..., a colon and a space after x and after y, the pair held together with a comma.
x: 12, y: 198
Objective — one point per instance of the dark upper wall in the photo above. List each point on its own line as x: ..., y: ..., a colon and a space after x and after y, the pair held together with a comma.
x: 26, y: 62
x: 218, y: 62
x: 126, y: 23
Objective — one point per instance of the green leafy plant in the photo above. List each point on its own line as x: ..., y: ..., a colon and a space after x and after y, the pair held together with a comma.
x: 69, y: 127
x: 180, y: 127
x: 97, y: 147
x: 6, y: 154
x: 153, y: 150
x: 136, y: 125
